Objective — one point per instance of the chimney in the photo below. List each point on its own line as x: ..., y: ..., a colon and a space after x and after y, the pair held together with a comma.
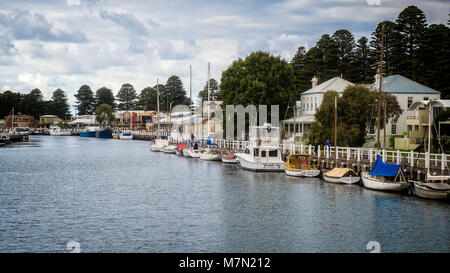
x: 314, y: 81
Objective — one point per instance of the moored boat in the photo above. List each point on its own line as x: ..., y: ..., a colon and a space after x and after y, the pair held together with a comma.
x: 229, y: 158
x: 180, y: 148
x: 170, y: 149
x: 211, y: 154
x: 261, y: 159
x: 431, y: 190
x: 341, y: 176
x: 105, y: 133
x: 90, y: 131
x: 57, y: 131
x: 159, y: 144
x: 116, y: 134
x: 299, y: 165
x: 126, y: 135
x: 385, y: 177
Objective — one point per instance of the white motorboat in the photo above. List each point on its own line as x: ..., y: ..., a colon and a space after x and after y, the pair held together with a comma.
x: 57, y: 131
x: 211, y: 154
x: 385, y: 177
x: 126, y: 135
x: 190, y: 152
x: 263, y: 154
x: 431, y: 190
x: 159, y: 144
x: 170, y: 149
x: 341, y: 176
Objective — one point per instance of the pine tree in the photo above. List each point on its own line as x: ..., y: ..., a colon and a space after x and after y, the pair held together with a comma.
x: 214, y: 91
x: 33, y: 103
x: 362, y: 62
x: 85, y: 100
x: 104, y: 96
x: 127, y: 97
x: 59, y: 104
x: 345, y: 44
x: 174, y: 93
x: 147, y: 99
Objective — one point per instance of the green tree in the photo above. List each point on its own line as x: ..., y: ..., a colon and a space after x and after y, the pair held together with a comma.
x: 8, y: 100
x: 59, y: 104
x: 345, y: 45
x: 104, y: 114
x: 411, y: 25
x: 362, y: 62
x: 357, y: 111
x: 85, y: 100
x: 173, y: 93
x: 127, y: 97
x: 259, y: 79
x: 214, y: 91
x: 104, y: 96
x: 147, y: 99
x: 33, y: 103
x: 392, y: 53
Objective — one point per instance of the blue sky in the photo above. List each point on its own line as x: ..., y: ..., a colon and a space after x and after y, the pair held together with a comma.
x: 69, y: 43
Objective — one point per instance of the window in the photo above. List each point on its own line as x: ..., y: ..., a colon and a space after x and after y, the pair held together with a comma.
x: 273, y: 153
x: 315, y: 103
x: 263, y: 153
x: 425, y: 98
x: 393, y: 129
x: 410, y: 101
x: 255, y: 152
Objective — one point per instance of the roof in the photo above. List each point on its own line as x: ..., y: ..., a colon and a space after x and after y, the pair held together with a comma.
x: 383, y: 169
x: 434, y: 103
x: 337, y: 84
x: 48, y: 116
x: 338, y: 172
x: 300, y: 119
x: 399, y: 84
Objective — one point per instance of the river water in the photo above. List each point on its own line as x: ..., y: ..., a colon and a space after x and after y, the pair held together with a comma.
x: 118, y: 196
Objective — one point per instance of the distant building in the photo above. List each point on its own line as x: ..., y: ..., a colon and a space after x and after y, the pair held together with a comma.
x: 82, y: 121
x: 309, y: 103
x: 20, y: 121
x: 48, y: 119
x: 133, y: 119
x: 406, y: 91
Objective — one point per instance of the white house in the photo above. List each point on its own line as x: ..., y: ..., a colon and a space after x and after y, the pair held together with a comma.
x: 309, y: 103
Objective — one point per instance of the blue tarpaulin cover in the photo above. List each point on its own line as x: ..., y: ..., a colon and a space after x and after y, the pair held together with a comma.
x: 383, y: 169
x: 209, y: 142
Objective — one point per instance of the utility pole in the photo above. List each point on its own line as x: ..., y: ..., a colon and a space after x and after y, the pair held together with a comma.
x: 190, y: 82
x: 208, y: 105
x: 384, y: 124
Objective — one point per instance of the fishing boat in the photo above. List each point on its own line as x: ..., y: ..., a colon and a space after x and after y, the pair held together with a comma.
x: 180, y: 148
x: 263, y: 153
x: 341, y: 176
x: 57, y: 131
x: 90, y: 131
x: 126, y: 135
x: 116, y: 134
x: 170, y: 149
x: 229, y: 158
x: 299, y: 165
x: 385, y: 177
x: 211, y: 154
x: 159, y: 144
x: 105, y: 133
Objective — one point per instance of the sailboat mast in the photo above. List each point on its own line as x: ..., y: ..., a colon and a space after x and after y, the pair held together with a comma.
x: 430, y: 112
x: 209, y: 77
x: 157, y: 100
x: 12, y: 121
x: 190, y: 82
x: 380, y: 69
x: 335, y: 126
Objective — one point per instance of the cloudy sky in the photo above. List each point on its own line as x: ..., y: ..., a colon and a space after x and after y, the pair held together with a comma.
x: 69, y: 43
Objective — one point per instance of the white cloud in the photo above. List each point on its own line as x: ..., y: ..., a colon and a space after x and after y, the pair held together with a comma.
x: 73, y: 2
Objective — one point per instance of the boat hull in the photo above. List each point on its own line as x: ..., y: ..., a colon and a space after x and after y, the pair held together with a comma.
x: 229, y: 161
x: 342, y: 180
x: 384, y: 186
x: 302, y: 173
x: 260, y: 166
x: 88, y: 134
x: 423, y: 191
x: 107, y: 133
x: 210, y: 157
x: 126, y: 137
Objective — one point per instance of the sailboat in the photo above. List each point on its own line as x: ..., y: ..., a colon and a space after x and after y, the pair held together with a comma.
x: 339, y: 175
x: 385, y: 177
x: 430, y: 189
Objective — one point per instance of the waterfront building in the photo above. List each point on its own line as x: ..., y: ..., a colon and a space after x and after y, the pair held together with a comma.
x: 82, y: 121
x: 309, y: 103
x: 406, y: 91
x: 20, y: 121
x: 49, y: 119
x: 133, y: 119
